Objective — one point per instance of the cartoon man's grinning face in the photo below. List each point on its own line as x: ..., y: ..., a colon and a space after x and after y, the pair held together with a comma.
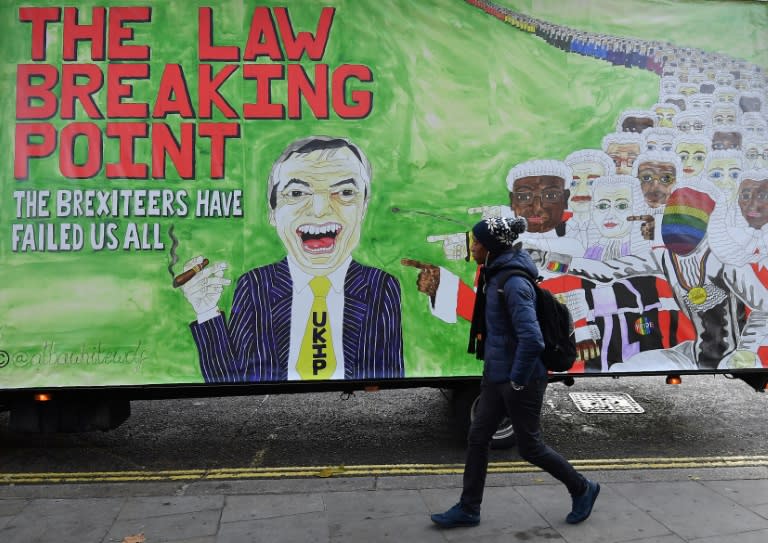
x: 319, y: 208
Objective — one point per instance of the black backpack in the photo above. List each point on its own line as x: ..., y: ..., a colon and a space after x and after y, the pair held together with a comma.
x: 555, y: 322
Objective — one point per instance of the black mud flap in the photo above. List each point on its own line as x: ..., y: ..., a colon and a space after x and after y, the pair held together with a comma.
x: 758, y: 381
x: 68, y: 415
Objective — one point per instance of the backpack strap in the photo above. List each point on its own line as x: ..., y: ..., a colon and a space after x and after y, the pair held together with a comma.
x: 506, y: 274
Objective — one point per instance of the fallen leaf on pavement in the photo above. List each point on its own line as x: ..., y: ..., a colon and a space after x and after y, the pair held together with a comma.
x: 330, y: 472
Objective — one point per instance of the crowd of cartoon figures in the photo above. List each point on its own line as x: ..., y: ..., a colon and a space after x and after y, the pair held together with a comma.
x: 658, y: 242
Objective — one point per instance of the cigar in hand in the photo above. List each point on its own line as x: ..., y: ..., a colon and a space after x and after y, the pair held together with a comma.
x: 184, y: 277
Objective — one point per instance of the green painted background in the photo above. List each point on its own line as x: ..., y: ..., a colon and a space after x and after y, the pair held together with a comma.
x: 459, y: 98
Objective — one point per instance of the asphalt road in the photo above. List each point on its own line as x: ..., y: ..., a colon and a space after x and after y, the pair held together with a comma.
x: 705, y: 416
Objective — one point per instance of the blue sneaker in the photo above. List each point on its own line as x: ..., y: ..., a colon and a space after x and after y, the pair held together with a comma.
x: 582, y: 505
x: 456, y: 516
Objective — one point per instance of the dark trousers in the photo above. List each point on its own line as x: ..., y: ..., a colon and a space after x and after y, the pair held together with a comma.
x: 524, y: 409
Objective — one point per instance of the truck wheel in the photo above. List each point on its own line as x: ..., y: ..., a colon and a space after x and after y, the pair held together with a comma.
x: 504, y: 438
x: 461, y: 401
x: 464, y: 404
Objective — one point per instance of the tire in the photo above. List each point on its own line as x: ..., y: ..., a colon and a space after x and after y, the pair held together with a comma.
x: 504, y: 438
x: 464, y: 401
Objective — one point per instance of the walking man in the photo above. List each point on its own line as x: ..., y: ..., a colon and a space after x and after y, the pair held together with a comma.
x: 514, y: 378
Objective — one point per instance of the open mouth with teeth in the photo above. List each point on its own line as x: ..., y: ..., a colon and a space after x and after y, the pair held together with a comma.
x: 319, y: 238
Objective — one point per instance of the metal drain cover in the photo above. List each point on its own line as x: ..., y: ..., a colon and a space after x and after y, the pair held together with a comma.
x: 605, y: 402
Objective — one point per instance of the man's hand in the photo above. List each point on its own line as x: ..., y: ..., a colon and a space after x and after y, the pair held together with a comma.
x: 587, y: 350
x: 647, y: 227
x: 204, y: 290
x: 489, y: 211
x: 429, y: 276
x: 539, y: 256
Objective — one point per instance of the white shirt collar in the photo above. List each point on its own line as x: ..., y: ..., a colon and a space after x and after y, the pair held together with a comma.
x: 301, y: 279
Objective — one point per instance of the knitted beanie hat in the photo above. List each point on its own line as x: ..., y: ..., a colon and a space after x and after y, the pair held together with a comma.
x: 685, y: 220
x: 498, y: 234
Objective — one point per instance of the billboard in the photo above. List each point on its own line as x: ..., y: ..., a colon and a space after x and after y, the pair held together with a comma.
x: 240, y: 191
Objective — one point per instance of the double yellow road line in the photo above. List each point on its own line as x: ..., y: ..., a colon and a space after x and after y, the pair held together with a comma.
x: 383, y: 470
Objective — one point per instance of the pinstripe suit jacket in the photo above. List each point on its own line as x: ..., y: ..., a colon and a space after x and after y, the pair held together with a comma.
x: 253, y: 346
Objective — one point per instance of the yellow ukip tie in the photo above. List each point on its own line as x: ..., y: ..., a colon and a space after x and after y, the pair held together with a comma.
x: 317, y: 359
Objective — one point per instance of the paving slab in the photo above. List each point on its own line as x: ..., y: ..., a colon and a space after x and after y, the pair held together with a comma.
x: 62, y: 521
x: 244, y: 508
x: 396, y: 529
x: 613, y: 518
x: 166, y: 528
x: 280, y: 486
x: 761, y: 510
x: 90, y: 490
x: 661, y: 539
x: 504, y: 511
x: 139, y: 508
x: 746, y: 493
x: 691, y: 509
x: 760, y: 536
x: 635, y: 506
x: 381, y: 504
x: 10, y: 507
x: 305, y: 527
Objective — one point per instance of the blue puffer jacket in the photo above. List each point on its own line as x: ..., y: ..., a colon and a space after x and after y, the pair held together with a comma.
x: 513, y: 337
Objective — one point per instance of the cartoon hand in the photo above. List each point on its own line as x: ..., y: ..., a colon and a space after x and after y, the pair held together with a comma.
x: 204, y: 290
x: 587, y: 350
x: 429, y: 276
x: 539, y: 256
x: 455, y: 246
x: 646, y: 229
x: 739, y: 359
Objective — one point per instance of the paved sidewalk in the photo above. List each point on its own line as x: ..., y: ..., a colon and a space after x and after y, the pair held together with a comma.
x: 723, y: 505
